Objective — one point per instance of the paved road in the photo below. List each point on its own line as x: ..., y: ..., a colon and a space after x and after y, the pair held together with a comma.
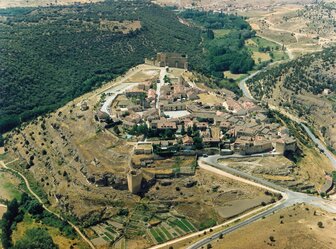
x: 216, y: 236
x: 163, y: 72
x: 242, y: 83
x: 291, y: 199
x: 112, y: 93
x: 321, y: 146
x: 243, y: 86
x: 44, y: 206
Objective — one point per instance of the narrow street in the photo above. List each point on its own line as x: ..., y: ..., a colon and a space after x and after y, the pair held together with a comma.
x: 158, y: 87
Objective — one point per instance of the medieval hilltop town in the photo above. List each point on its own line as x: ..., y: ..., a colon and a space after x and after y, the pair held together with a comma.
x: 171, y: 115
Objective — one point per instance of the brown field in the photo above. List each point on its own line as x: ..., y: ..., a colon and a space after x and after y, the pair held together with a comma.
x: 144, y: 76
x: 313, y: 166
x: 210, y: 99
x: 294, y: 26
x: 259, y: 56
x: 213, y: 197
x: 298, y: 229
x: 309, y: 170
x: 34, y: 3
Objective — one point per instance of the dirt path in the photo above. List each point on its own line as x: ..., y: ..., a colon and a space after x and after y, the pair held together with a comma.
x: 288, y: 50
x: 44, y: 206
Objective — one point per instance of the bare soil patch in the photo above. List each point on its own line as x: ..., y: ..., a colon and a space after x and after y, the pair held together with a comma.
x: 293, y: 227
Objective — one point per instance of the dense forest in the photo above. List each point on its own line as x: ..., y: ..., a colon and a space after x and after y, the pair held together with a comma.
x: 225, y: 52
x: 51, y: 55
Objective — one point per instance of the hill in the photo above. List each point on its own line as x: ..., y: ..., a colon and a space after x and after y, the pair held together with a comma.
x: 305, y: 87
x: 50, y: 55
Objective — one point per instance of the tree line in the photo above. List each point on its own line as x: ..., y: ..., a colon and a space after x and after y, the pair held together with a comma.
x: 35, y: 238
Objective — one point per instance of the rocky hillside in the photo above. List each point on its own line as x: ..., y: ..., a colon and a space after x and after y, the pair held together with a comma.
x: 306, y: 87
x: 80, y: 167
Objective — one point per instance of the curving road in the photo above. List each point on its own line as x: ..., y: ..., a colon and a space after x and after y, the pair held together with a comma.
x: 44, y: 206
x: 320, y: 145
x: 290, y: 199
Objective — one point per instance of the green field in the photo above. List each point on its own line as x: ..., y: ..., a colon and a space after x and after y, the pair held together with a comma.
x: 157, y: 237
x: 107, y: 234
x: 189, y: 225
x: 168, y: 235
x: 8, y: 187
x: 172, y: 229
x: 270, y: 49
x: 183, y: 224
x: 221, y: 32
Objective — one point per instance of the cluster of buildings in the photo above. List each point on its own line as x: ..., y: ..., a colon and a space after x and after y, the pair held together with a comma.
x: 180, y: 116
x: 176, y: 117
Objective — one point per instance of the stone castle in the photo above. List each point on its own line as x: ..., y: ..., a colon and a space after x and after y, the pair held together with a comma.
x: 169, y: 60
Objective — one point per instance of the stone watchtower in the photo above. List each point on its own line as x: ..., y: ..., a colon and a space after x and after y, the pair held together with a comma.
x: 134, y: 179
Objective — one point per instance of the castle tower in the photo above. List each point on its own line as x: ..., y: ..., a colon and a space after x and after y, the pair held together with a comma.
x: 134, y: 179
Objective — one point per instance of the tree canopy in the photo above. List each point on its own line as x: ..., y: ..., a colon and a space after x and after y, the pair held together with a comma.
x: 35, y: 238
x: 50, y: 55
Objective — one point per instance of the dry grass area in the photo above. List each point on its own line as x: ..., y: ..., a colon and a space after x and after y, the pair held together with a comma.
x: 212, y: 197
x: 260, y: 57
x: 254, y: 6
x: 293, y: 227
x: 303, y: 29
x: 206, y: 98
x: 181, y: 161
x: 313, y: 166
x: 34, y: 3
x: 309, y: 171
x: 145, y: 75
